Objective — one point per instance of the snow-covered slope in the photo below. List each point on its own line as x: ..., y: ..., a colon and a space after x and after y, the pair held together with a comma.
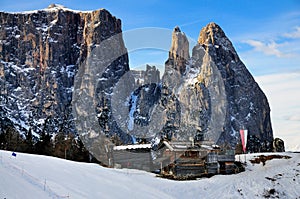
x: 33, y: 176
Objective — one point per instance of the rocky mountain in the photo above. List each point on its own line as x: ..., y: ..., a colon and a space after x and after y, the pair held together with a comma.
x: 208, y: 96
x: 213, y: 95
x: 68, y: 71
x: 40, y: 53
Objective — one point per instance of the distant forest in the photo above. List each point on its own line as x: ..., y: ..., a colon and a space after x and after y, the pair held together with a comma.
x: 67, y: 146
x: 70, y: 147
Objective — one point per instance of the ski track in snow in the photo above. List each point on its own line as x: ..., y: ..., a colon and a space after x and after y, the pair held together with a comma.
x: 34, y: 176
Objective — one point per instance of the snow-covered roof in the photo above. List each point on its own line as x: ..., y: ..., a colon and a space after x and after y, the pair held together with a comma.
x: 134, y: 146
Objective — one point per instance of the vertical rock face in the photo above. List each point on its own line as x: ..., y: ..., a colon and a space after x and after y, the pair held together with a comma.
x: 179, y: 52
x: 40, y: 53
x: 177, y: 61
x: 216, y: 96
x: 172, y: 80
x: 247, y: 106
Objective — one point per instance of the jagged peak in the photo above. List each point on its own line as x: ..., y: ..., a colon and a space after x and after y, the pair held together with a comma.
x: 210, y: 34
x: 177, y: 29
x: 214, y: 26
x: 180, y: 44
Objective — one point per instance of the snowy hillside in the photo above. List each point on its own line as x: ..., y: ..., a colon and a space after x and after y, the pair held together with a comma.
x: 33, y: 176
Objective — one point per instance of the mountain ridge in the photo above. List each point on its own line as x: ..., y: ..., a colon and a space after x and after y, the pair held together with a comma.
x: 42, y: 52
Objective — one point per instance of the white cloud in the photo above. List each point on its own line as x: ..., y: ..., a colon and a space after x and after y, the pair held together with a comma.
x: 271, y: 48
x: 281, y: 91
x: 293, y: 35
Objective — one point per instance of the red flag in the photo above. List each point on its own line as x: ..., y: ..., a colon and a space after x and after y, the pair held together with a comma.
x: 242, y: 133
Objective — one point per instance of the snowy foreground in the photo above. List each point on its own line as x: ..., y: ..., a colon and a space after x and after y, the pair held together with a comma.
x: 33, y: 176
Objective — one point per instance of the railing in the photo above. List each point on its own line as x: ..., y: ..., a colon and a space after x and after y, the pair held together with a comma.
x: 41, y: 184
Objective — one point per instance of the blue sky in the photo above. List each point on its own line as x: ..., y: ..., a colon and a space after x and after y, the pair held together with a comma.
x: 266, y: 34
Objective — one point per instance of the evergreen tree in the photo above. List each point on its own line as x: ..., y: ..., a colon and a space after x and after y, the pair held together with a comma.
x: 28, y: 143
x: 254, y: 144
x: 10, y: 139
x: 82, y: 153
x: 44, y: 146
x: 59, y: 145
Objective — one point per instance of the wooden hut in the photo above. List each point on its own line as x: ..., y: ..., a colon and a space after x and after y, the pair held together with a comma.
x: 187, y: 159
x: 137, y: 156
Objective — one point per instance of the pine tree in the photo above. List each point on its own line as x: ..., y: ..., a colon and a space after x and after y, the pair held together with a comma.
x: 11, y: 139
x: 28, y: 143
x: 44, y: 146
x: 59, y: 145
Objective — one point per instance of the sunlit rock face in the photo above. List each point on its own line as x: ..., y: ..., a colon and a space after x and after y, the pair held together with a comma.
x: 215, y: 94
x: 40, y: 53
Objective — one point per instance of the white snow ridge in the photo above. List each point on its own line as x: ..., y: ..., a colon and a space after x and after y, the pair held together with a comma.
x: 29, y: 176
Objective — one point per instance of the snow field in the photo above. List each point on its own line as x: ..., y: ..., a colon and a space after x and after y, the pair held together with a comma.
x: 34, y: 176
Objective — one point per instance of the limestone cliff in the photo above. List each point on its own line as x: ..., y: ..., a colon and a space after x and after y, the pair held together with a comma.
x: 40, y: 54
x: 215, y: 95
x: 179, y: 52
x: 247, y: 104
